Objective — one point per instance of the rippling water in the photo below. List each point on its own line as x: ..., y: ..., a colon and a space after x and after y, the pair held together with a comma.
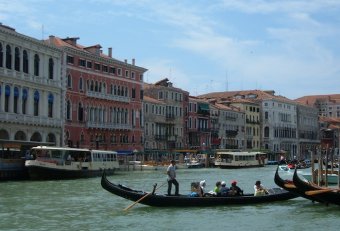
x: 85, y: 205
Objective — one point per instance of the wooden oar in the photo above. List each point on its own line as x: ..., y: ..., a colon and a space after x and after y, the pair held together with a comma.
x: 316, y: 192
x: 140, y: 199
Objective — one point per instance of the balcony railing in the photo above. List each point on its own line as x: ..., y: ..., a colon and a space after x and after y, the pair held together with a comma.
x: 111, y: 126
x: 30, y: 120
x: 231, y: 133
x: 108, y: 96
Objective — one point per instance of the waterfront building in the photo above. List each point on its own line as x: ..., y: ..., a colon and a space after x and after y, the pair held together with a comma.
x: 231, y: 122
x: 31, y: 90
x: 278, y: 120
x: 103, y: 98
x: 176, y: 106
x: 308, y: 128
x: 214, y: 127
x: 327, y: 105
x: 156, y: 125
x: 252, y: 121
x: 199, y: 128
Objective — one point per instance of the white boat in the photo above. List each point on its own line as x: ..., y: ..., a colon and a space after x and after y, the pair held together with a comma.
x: 69, y: 163
x: 231, y: 159
x: 284, y: 168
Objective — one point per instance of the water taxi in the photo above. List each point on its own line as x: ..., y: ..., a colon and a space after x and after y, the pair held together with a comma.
x: 69, y: 163
x: 239, y: 159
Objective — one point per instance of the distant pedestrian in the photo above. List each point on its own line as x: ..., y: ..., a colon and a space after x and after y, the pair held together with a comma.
x: 171, y: 171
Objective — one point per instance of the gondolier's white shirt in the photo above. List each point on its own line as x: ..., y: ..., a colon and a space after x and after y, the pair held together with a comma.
x: 171, y: 172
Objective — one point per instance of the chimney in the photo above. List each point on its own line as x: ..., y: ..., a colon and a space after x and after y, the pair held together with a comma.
x: 110, y: 52
x: 133, y: 62
x: 125, y: 60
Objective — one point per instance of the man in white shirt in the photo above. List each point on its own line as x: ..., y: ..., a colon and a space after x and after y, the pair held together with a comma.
x: 171, y: 171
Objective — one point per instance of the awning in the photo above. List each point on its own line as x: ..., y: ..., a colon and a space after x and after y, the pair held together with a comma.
x: 203, y: 107
x: 124, y: 152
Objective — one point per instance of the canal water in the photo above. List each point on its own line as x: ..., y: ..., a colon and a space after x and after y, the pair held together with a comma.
x: 84, y: 205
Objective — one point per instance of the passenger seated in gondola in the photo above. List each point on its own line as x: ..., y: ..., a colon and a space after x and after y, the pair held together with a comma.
x: 224, y: 189
x: 217, y: 189
x: 202, y: 188
x: 195, y: 189
x: 235, y: 190
x: 259, y: 189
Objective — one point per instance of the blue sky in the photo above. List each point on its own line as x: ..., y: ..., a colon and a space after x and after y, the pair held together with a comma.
x: 290, y: 46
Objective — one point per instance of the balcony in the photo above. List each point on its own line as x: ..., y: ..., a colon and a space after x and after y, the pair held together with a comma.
x: 231, y: 133
x: 100, y: 95
x: 160, y: 137
x: 170, y: 117
x: 30, y: 120
x: 110, y: 126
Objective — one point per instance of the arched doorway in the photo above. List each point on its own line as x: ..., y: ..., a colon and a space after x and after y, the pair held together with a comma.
x: 4, y: 134
x: 36, y: 137
x: 20, y: 135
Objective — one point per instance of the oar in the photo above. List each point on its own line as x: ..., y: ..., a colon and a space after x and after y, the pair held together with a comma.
x: 140, y: 199
x: 316, y: 192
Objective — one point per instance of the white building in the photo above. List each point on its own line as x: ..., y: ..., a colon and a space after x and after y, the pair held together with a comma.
x: 31, y: 95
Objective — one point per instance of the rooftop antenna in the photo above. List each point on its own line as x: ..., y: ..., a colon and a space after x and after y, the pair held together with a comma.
x: 42, y: 31
x: 226, y: 81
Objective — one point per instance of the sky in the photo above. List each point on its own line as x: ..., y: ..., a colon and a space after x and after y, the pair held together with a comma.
x: 202, y: 46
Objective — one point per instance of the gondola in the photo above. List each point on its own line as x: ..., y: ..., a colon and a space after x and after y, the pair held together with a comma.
x: 159, y: 200
x: 290, y: 186
x: 322, y: 194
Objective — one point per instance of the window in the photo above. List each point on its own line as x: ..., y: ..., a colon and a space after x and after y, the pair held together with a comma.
x: 36, y: 103
x: 25, y: 62
x: 1, y: 55
x: 70, y: 59
x: 50, y: 105
x: 17, y: 59
x: 89, y: 64
x: 80, y: 112
x: 50, y: 68
x: 119, y: 72
x: 105, y: 68
x: 82, y: 63
x: 81, y: 85
x: 24, y: 100
x: 69, y: 81
x: 132, y: 75
x: 141, y: 77
x: 16, y: 97
x: 97, y: 66
x: 8, y: 57
x: 112, y: 70
x: 126, y: 73
x: 7, y: 95
x: 68, y: 110
x: 133, y: 93
x: 36, y: 64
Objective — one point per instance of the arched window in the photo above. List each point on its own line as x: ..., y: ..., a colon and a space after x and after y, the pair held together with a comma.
x: 24, y: 101
x: 8, y: 57
x: 17, y: 59
x: 50, y: 68
x: 69, y: 81
x: 50, y: 105
x: 68, y: 110
x: 80, y: 113
x: 25, y: 62
x: 36, y: 103
x: 266, y: 115
x: 81, y: 87
x: 266, y: 132
x: 16, y: 98
x: 7, y: 97
x: 1, y: 56
x: 36, y: 64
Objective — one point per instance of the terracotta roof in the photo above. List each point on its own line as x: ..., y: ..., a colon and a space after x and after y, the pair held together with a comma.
x: 311, y: 99
x: 251, y: 95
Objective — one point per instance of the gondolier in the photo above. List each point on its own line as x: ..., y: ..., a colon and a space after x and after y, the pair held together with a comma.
x: 171, y: 171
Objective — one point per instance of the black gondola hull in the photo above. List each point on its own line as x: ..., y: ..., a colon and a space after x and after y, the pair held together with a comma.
x: 331, y: 197
x: 187, y: 201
